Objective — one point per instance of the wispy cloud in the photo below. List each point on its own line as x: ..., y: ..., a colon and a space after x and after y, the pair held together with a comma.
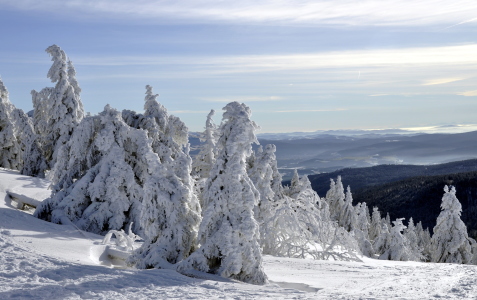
x: 189, y: 111
x: 307, y: 12
x: 441, y: 81
x: 468, y: 93
x: 462, y: 54
x: 310, y: 110
x: 242, y: 99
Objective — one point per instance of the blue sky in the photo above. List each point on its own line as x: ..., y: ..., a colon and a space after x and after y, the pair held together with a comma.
x: 300, y: 65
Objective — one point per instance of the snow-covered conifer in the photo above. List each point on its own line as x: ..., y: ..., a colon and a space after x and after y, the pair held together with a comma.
x: 361, y: 229
x: 376, y: 224
x: 450, y: 242
x: 10, y: 146
x: 335, y: 198
x: 412, y: 238
x: 228, y: 233
x: 398, y: 248
x: 205, y: 158
x: 19, y: 148
x: 107, y: 176
x: 347, y: 218
x: 382, y: 242
x: 58, y: 110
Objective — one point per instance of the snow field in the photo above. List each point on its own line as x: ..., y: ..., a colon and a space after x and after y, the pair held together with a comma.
x: 41, y: 260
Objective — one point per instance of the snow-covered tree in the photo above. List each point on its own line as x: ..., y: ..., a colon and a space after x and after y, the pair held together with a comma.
x: 382, y: 242
x: 450, y: 242
x: 10, y: 146
x: 399, y: 247
x: 424, y: 241
x: 361, y: 228
x: 297, y: 185
x: 19, y: 149
x: 205, y: 158
x: 335, y: 198
x: 228, y: 233
x: 57, y: 110
x: 376, y: 224
x: 412, y: 238
x: 107, y: 176
x: 347, y: 218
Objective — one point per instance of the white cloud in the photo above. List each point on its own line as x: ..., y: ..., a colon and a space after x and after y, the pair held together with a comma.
x: 243, y: 99
x: 468, y: 93
x: 441, y: 81
x: 307, y: 12
x: 442, y: 57
x: 189, y: 112
x: 310, y: 110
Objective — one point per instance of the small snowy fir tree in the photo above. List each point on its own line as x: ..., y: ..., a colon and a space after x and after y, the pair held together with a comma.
x: 424, y: 241
x: 410, y: 233
x: 347, y: 218
x: 398, y: 248
x: 228, y: 233
x: 382, y: 242
x: 58, y: 110
x: 376, y: 224
x: 10, y: 146
x: 204, y: 160
x: 361, y: 229
x: 19, y: 149
x: 335, y: 198
x: 450, y: 242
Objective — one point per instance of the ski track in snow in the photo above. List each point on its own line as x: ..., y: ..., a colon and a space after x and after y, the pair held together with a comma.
x: 40, y: 260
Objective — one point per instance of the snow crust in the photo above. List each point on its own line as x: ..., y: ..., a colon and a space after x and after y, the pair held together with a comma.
x: 42, y: 260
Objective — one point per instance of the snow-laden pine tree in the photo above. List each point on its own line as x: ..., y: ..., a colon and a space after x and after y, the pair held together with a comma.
x: 107, y: 176
x: 228, y: 233
x: 412, y: 238
x: 382, y: 242
x: 361, y: 229
x: 10, y: 146
x: 399, y: 247
x: 347, y: 218
x: 297, y: 185
x: 205, y: 159
x: 19, y: 149
x: 376, y: 224
x: 450, y: 242
x: 57, y: 110
x: 424, y: 241
x: 335, y: 198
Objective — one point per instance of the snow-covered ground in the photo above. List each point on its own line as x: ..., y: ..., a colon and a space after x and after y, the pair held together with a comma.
x: 40, y: 260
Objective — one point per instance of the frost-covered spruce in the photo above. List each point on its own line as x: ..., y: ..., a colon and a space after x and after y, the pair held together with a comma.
x: 228, y: 233
x: 57, y: 110
x: 450, y: 242
x: 10, y: 147
x: 205, y: 159
x: 348, y: 217
x: 107, y: 176
x: 19, y: 148
x: 399, y: 247
x: 376, y: 224
x: 412, y: 238
x: 335, y: 198
x: 361, y: 229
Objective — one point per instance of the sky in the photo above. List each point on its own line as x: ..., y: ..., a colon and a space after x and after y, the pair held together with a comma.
x: 300, y: 65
